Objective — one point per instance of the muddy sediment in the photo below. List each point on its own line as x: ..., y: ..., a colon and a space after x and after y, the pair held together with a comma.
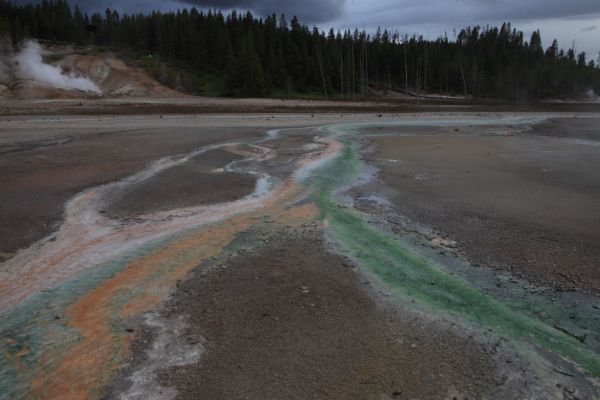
x: 38, y: 180
x: 523, y: 203
x: 569, y: 128
x: 45, y: 161
x: 271, y: 309
x: 200, y: 181
x: 293, y: 320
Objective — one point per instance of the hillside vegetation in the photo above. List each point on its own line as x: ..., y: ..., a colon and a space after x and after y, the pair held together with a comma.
x: 242, y: 55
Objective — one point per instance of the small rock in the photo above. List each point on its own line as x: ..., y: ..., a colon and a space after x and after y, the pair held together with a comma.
x: 569, y: 389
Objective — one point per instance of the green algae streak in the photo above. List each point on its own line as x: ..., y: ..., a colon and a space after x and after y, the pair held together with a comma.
x: 430, y: 286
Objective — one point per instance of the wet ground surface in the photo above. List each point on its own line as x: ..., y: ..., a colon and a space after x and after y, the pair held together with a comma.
x: 293, y: 320
x: 200, y: 181
x: 527, y: 203
x: 569, y: 128
x: 37, y: 180
x: 189, y: 279
x: 45, y: 161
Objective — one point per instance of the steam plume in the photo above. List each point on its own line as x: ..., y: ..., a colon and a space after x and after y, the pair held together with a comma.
x: 28, y: 64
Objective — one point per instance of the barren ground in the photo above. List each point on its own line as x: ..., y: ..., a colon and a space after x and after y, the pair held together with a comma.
x: 292, y: 320
x: 527, y: 203
x: 38, y: 178
x: 200, y: 181
x: 195, y: 281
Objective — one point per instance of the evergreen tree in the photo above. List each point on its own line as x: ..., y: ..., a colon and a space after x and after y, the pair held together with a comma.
x: 245, y: 74
x: 255, y: 56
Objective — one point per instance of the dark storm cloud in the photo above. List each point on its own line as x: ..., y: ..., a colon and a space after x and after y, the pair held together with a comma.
x: 413, y: 12
x: 309, y: 11
x: 306, y: 10
x: 369, y: 12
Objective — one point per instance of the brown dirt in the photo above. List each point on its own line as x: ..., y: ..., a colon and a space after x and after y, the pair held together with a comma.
x: 292, y: 320
x: 208, y: 105
x: 571, y: 128
x: 289, y: 149
x: 37, y: 181
x: 114, y: 77
x: 528, y: 204
x: 197, y: 182
x: 47, y: 160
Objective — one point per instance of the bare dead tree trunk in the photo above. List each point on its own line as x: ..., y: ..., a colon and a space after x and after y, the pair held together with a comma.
x: 405, y: 69
x: 348, y: 75
x: 425, y: 72
x: 417, y: 87
x: 322, y: 74
x: 447, y: 84
x: 462, y: 72
x: 481, y: 77
x: 353, y: 76
x: 474, y: 78
x: 366, y: 65
x: 341, y: 74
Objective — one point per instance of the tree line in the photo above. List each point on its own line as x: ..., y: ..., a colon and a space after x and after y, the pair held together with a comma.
x: 258, y: 55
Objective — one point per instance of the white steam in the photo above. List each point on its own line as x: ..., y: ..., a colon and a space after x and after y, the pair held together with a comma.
x: 591, y: 94
x: 28, y: 64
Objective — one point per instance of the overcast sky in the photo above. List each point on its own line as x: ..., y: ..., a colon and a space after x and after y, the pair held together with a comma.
x: 567, y: 20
